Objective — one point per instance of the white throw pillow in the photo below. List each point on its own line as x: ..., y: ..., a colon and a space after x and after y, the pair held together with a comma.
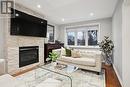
x: 75, y: 54
x: 63, y: 51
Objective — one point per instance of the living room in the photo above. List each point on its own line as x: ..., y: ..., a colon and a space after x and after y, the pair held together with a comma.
x: 70, y: 43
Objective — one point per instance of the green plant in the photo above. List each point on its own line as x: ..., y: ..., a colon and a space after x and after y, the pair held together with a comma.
x: 53, y: 56
x: 107, y: 46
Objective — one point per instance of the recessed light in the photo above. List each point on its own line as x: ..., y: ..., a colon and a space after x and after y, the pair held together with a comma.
x: 16, y: 14
x: 91, y: 14
x: 63, y: 19
x: 39, y: 6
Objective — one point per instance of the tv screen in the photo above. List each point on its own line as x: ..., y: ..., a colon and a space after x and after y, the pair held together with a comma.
x: 27, y: 25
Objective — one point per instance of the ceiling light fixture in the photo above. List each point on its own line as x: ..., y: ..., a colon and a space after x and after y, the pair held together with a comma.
x: 91, y: 14
x: 63, y: 19
x: 39, y: 6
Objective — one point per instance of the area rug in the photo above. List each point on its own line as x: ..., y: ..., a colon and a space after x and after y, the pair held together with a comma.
x: 80, y: 78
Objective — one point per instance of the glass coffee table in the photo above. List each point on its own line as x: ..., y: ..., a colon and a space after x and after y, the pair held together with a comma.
x: 57, y: 72
x: 46, y: 75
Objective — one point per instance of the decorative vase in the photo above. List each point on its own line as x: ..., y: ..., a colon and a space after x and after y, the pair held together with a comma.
x: 108, y: 64
x: 108, y: 60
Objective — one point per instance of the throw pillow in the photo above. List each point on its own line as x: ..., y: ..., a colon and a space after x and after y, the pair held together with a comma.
x: 75, y: 54
x: 68, y: 52
x: 63, y: 52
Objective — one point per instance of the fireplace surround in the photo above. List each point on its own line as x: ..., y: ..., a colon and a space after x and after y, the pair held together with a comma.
x: 12, y: 44
x: 28, y: 55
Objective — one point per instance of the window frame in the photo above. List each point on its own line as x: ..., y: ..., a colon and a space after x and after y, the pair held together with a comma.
x: 86, y: 35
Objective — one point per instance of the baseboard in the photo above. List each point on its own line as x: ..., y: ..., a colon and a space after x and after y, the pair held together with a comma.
x: 119, y: 78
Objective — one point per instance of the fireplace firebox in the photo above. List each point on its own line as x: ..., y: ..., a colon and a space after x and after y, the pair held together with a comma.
x: 28, y: 55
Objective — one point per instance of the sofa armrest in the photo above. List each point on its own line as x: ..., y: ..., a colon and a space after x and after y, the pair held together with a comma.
x: 99, y: 62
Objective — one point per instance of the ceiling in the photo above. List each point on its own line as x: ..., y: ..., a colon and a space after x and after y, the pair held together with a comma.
x: 68, y: 11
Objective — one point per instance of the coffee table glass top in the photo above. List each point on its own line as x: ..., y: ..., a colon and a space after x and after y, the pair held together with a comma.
x: 59, y: 73
x: 56, y: 72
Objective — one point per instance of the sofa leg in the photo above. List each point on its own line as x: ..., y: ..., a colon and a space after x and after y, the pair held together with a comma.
x: 98, y: 73
x: 57, y: 63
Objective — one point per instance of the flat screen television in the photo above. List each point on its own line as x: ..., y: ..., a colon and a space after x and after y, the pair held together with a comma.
x: 23, y: 24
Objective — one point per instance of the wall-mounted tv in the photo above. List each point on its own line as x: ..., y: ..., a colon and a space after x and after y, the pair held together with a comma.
x: 23, y: 24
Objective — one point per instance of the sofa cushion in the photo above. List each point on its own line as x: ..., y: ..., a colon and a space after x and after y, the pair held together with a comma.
x: 89, y: 53
x: 63, y: 52
x: 81, y: 61
x: 75, y: 54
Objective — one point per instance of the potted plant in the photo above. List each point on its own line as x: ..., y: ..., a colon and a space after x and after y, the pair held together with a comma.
x: 107, y: 46
x: 53, y: 56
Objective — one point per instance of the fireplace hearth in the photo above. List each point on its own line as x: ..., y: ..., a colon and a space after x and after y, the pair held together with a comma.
x: 28, y: 55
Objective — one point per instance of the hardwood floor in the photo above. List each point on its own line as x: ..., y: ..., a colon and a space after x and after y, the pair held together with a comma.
x: 111, y: 77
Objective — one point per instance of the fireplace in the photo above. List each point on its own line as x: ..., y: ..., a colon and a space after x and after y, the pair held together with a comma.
x: 28, y: 55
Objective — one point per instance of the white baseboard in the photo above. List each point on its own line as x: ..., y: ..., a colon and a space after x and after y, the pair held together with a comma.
x: 119, y: 78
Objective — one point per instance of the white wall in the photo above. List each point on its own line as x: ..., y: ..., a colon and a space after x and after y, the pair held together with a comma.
x: 121, y: 34
x: 126, y: 45
x: 105, y: 27
x: 2, y: 27
x: 117, y: 38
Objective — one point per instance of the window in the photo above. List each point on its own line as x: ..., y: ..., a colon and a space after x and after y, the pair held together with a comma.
x: 83, y: 35
x: 81, y: 38
x: 92, y: 37
x: 71, y: 38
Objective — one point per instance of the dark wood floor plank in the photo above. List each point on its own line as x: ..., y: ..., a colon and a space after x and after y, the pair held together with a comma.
x: 111, y: 77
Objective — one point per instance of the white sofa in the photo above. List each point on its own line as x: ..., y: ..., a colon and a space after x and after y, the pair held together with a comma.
x: 89, y: 60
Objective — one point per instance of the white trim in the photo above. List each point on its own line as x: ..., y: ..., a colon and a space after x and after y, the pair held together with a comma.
x: 118, y: 76
x: 83, y: 47
x: 82, y: 25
